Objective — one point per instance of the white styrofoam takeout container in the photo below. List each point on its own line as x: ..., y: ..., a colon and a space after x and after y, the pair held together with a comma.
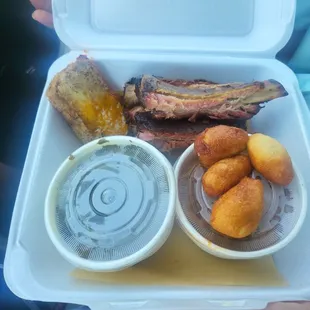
x: 219, y: 40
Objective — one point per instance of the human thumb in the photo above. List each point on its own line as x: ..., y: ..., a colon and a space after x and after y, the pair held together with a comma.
x: 44, y: 18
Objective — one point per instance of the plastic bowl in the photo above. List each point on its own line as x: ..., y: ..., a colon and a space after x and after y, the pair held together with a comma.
x: 284, y: 214
x: 111, y: 204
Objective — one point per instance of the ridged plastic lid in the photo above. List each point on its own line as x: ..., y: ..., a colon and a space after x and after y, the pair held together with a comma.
x: 110, y: 200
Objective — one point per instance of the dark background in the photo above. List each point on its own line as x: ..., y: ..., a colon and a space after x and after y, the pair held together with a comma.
x: 27, y: 50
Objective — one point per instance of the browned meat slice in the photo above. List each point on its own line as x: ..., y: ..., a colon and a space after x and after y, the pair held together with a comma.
x: 166, y: 142
x: 131, y: 113
x: 200, y: 84
x: 131, y: 90
x: 173, y: 134
x: 217, y: 101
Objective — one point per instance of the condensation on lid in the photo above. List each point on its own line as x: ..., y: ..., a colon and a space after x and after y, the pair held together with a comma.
x: 112, y: 202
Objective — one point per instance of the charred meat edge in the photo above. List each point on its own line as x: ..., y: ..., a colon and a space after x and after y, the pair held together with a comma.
x: 217, y: 101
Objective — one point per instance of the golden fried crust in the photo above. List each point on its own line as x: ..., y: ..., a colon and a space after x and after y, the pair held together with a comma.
x: 238, y: 212
x: 271, y: 159
x: 84, y: 99
x: 225, y: 174
x: 220, y: 142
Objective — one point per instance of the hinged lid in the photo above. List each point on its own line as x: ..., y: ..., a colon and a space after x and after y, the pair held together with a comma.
x: 256, y: 27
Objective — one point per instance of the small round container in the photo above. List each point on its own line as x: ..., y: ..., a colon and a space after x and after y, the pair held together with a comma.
x: 111, y: 204
x: 283, y: 216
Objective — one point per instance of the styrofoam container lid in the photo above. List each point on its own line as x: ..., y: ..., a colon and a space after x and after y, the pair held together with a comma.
x: 111, y: 204
x: 283, y: 215
x: 260, y: 27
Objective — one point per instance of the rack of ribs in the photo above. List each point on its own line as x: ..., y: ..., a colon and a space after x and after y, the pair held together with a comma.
x: 191, y: 100
x: 170, y: 113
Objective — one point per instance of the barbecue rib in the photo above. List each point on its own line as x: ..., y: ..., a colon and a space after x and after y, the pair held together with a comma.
x: 200, y: 99
x: 131, y: 92
x: 173, y: 134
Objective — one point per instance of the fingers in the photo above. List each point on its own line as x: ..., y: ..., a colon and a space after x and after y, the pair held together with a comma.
x: 45, y: 5
x: 43, y: 17
x: 43, y: 12
x: 288, y: 306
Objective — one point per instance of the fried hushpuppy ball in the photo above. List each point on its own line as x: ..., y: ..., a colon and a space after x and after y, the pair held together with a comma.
x: 238, y: 212
x: 220, y: 142
x: 225, y: 174
x: 270, y: 158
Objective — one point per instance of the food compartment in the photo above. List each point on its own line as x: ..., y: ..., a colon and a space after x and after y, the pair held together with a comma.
x: 52, y: 141
x: 111, y: 204
x: 283, y: 213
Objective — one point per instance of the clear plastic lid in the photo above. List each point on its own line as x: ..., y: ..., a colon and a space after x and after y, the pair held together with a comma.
x: 260, y: 27
x: 113, y: 200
